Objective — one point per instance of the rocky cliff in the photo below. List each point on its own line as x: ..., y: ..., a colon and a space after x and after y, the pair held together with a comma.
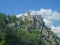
x: 35, y: 22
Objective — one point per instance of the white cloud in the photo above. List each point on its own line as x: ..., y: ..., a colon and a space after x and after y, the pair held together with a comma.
x: 19, y: 15
x: 47, y: 12
x: 48, y: 22
x: 56, y: 30
x: 55, y: 16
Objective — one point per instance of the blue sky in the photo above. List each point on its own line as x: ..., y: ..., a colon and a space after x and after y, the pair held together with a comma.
x: 22, y: 6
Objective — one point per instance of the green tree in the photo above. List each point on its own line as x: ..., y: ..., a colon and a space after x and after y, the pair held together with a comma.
x: 2, y: 20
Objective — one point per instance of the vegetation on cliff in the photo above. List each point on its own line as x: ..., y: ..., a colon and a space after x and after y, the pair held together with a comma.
x: 16, y: 31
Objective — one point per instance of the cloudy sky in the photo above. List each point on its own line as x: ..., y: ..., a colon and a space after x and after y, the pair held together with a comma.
x: 49, y: 9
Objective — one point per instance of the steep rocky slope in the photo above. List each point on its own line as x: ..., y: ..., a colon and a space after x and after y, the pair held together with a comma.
x: 33, y: 22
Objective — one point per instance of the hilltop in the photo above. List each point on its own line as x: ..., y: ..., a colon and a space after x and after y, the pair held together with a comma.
x: 25, y: 30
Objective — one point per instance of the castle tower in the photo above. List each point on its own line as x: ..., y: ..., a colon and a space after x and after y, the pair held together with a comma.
x: 29, y: 17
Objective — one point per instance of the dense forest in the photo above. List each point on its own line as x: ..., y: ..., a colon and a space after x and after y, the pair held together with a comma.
x: 25, y: 31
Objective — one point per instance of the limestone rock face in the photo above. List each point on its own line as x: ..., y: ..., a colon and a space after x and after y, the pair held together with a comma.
x: 35, y: 22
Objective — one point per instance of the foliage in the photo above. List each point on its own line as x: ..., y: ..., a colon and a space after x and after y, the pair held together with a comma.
x: 13, y: 36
